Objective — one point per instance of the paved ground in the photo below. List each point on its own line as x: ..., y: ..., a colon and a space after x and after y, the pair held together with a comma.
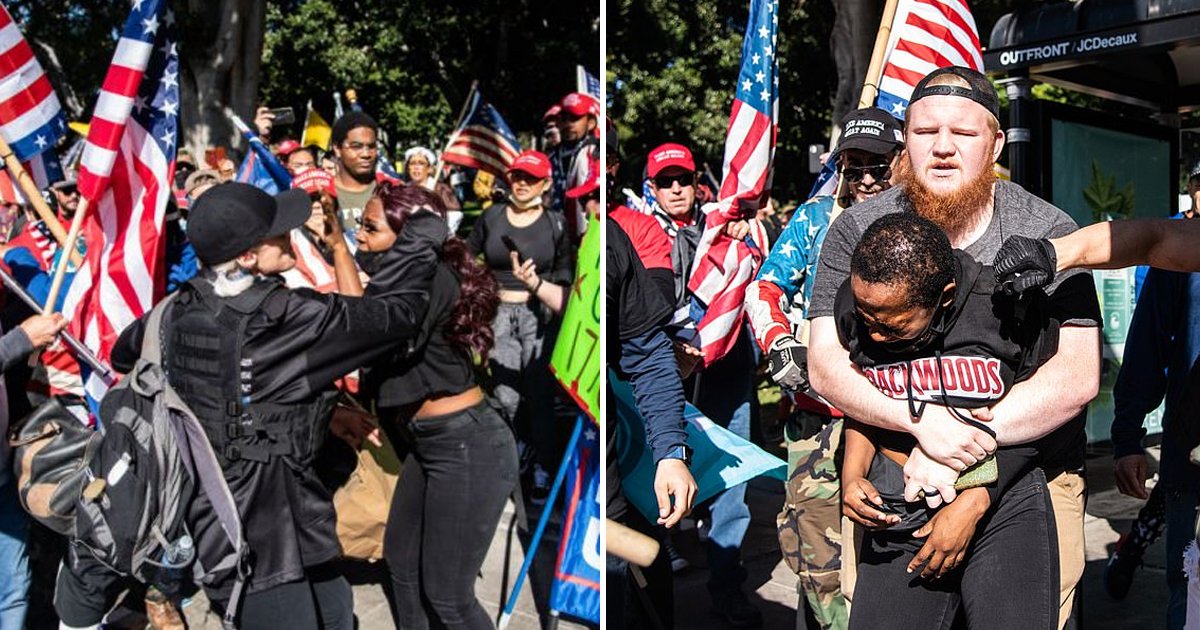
x: 1108, y: 514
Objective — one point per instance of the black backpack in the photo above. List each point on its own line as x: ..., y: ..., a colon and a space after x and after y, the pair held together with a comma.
x: 132, y: 496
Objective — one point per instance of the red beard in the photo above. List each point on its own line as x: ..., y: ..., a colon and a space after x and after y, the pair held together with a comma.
x: 955, y: 212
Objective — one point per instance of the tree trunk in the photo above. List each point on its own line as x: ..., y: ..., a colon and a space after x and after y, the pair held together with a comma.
x: 221, y: 61
x: 854, y: 27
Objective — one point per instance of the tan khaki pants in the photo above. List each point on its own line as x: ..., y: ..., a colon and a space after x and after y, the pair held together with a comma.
x: 1068, y: 491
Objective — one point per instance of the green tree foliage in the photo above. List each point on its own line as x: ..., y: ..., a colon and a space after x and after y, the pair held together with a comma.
x: 671, y: 69
x: 74, y: 41
x: 412, y: 62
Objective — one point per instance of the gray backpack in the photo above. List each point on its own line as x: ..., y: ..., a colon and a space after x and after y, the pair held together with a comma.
x: 153, y: 460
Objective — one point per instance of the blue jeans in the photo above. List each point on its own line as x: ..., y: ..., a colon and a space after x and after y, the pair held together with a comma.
x: 724, y: 396
x: 1181, y: 523
x: 14, y: 532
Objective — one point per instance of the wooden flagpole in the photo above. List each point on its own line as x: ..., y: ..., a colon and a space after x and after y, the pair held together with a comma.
x: 63, y: 261
x: 461, y: 115
x: 870, y: 89
x: 32, y: 193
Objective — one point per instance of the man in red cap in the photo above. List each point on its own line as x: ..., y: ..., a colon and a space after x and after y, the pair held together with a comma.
x: 577, y: 125
x: 295, y: 157
x: 723, y: 391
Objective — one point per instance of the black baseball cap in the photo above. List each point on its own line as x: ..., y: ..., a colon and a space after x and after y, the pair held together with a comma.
x: 872, y: 130
x: 980, y: 88
x: 1195, y: 172
x: 231, y: 218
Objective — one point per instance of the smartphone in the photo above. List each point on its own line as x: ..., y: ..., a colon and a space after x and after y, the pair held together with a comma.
x: 512, y: 247
x: 283, y: 116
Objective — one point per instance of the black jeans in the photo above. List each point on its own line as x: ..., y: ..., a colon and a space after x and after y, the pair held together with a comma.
x: 460, y: 470
x: 1008, y: 580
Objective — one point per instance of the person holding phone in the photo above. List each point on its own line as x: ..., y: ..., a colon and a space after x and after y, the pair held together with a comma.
x: 525, y: 328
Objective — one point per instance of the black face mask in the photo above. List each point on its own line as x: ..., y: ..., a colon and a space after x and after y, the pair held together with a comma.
x: 369, y: 262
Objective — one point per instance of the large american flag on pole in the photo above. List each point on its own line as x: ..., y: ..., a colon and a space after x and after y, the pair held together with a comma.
x: 483, y: 140
x: 926, y: 35
x: 31, y: 118
x: 124, y: 176
x: 723, y: 267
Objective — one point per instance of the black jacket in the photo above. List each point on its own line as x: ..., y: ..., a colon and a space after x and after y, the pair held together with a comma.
x: 294, y: 347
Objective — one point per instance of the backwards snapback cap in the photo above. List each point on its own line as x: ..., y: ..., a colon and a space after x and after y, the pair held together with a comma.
x: 979, y: 88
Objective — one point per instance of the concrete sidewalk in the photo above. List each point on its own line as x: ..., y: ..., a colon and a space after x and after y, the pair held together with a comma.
x: 773, y: 585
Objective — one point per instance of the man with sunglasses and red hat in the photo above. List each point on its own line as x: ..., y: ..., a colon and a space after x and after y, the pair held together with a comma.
x: 776, y: 302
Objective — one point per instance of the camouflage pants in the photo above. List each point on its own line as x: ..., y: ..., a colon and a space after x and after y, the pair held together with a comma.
x: 809, y: 525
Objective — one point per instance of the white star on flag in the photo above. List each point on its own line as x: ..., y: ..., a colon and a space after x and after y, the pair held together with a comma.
x: 770, y: 276
x: 787, y: 249
x: 590, y: 434
x: 797, y: 274
x: 759, y: 76
x: 754, y: 59
x: 168, y: 79
x: 40, y: 141
x: 170, y: 109
x: 150, y: 26
x: 763, y: 31
x: 168, y: 138
x: 746, y: 85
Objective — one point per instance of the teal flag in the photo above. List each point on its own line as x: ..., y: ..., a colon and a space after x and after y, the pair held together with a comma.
x: 720, y: 459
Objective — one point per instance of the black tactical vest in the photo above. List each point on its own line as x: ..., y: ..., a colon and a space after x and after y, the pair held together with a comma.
x: 205, y: 364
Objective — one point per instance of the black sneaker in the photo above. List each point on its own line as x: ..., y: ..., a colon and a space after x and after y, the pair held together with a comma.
x: 1118, y: 574
x: 737, y: 610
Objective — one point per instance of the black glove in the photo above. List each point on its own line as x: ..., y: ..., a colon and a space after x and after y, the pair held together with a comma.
x: 787, y: 363
x: 1024, y: 263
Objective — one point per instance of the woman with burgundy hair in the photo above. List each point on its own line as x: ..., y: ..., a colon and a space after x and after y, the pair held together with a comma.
x: 462, y: 458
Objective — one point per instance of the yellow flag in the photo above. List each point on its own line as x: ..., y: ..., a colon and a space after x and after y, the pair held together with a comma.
x: 316, y: 130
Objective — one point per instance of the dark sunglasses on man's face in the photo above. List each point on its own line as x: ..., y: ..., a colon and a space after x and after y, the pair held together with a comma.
x: 878, y: 172
x: 666, y: 181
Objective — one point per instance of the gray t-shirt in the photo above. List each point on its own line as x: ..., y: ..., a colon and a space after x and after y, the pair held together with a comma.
x: 1017, y: 213
x: 352, y: 204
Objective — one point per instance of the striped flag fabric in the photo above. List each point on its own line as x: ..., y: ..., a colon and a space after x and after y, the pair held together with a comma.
x: 483, y: 140
x: 31, y: 118
x: 724, y: 267
x: 125, y: 174
x: 926, y: 35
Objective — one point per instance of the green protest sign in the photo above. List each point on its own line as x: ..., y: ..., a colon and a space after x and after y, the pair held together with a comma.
x: 576, y: 358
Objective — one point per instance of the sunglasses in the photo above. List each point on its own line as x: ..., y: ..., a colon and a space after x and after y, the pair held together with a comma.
x: 666, y: 181
x: 878, y: 172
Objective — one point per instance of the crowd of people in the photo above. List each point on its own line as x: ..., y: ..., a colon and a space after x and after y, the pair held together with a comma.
x: 299, y: 327
x: 936, y: 338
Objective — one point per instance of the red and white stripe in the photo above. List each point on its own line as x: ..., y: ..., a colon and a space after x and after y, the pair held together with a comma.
x: 125, y: 176
x: 311, y: 270
x: 927, y: 35
x: 107, y: 128
x: 481, y: 147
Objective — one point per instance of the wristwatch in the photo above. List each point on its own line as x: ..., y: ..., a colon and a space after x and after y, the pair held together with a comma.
x: 683, y: 453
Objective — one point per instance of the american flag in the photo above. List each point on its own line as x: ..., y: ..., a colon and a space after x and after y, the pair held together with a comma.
x: 31, y: 118
x: 926, y: 35
x: 723, y: 267
x: 587, y: 82
x: 125, y: 176
x: 483, y: 140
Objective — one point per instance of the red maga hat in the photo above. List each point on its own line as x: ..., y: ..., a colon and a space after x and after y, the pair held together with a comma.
x: 669, y: 154
x: 314, y: 180
x: 533, y: 162
x: 579, y: 104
